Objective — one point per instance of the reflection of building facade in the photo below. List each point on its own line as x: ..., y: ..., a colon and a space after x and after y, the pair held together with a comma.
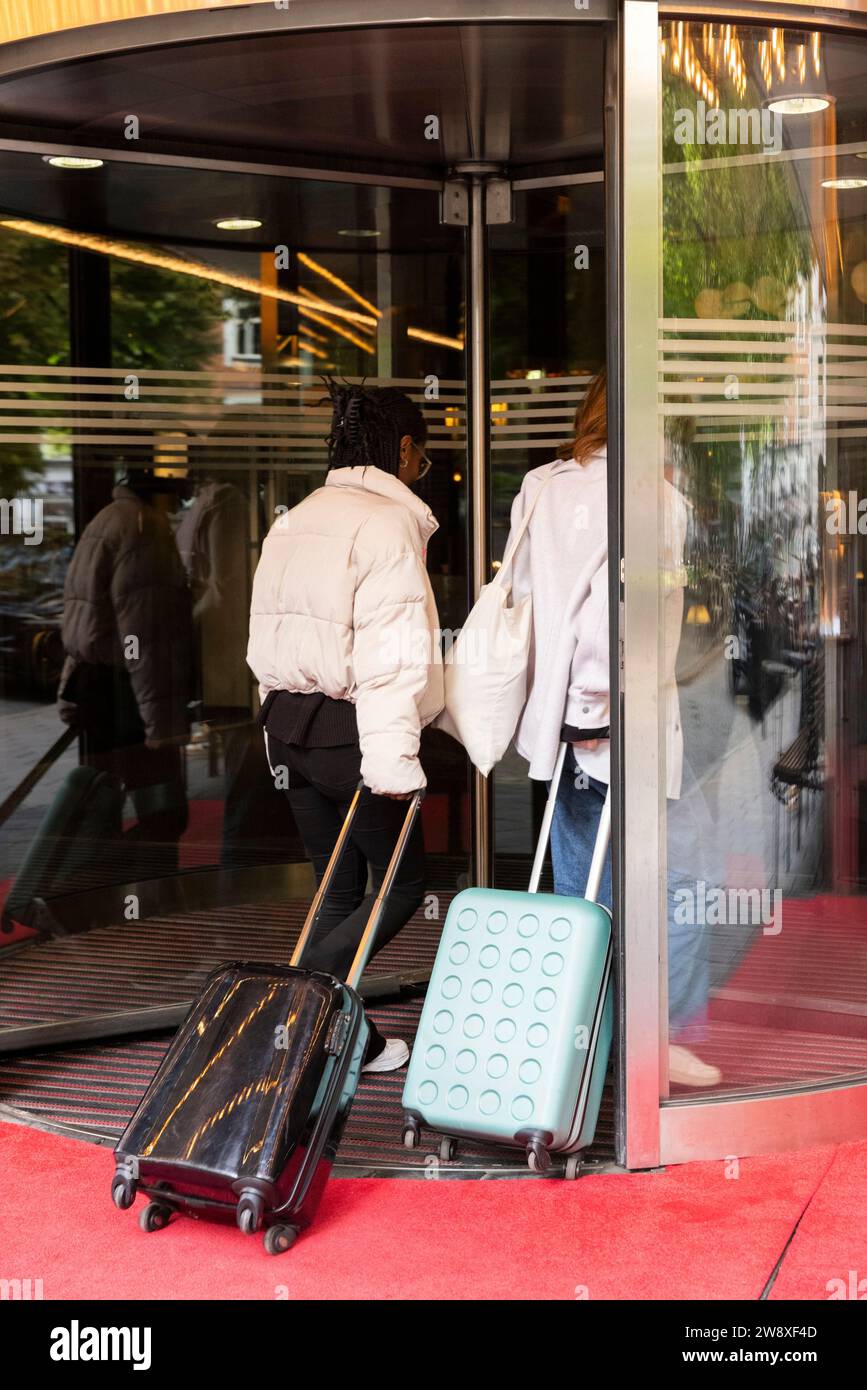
x: 241, y: 333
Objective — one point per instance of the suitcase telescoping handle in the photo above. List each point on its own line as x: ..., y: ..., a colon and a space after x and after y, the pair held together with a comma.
x: 365, y: 945
x: 603, y: 834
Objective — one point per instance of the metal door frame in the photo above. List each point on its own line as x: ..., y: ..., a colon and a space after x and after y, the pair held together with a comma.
x: 63, y: 47
x: 656, y: 1130
x: 649, y: 1131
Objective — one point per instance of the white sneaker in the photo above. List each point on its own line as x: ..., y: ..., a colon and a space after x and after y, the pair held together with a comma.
x: 395, y: 1054
x: 685, y: 1069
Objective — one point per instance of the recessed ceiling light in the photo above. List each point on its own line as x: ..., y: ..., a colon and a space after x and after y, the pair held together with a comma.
x: 71, y: 161
x: 798, y: 106
x: 359, y: 231
x: 844, y: 183
x: 238, y: 224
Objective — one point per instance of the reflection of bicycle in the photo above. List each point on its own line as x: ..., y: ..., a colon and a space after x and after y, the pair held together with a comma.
x: 762, y: 625
x: 744, y: 616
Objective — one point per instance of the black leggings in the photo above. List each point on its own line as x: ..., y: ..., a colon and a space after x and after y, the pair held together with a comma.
x: 321, y: 784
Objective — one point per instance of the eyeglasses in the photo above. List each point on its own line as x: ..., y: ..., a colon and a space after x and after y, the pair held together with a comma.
x: 426, y: 463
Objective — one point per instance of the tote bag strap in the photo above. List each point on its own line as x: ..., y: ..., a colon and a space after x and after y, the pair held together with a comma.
x: 519, y: 535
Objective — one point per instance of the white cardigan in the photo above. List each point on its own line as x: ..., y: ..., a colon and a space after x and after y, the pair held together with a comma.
x: 563, y: 562
x: 342, y: 604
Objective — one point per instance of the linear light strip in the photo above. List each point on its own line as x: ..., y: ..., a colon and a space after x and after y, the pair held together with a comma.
x: 339, y: 284
x: 141, y: 256
x: 335, y: 328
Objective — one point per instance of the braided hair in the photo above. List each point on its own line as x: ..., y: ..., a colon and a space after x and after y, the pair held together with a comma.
x: 367, y: 425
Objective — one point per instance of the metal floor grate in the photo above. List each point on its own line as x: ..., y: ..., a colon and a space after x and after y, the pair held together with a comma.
x: 95, y: 1087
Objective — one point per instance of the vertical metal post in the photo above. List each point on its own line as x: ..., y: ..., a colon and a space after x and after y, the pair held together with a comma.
x: 384, y: 293
x: 269, y: 309
x: 613, y: 232
x: 643, y: 824
x: 89, y: 346
x: 478, y: 400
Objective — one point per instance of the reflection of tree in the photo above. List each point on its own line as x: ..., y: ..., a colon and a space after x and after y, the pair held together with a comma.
x: 733, y: 249
x: 158, y: 320
x: 34, y: 329
x: 729, y: 226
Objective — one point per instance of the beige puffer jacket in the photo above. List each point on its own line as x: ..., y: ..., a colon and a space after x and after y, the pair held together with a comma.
x: 342, y: 604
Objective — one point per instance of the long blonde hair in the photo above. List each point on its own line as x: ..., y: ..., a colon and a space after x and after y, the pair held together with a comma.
x: 591, y: 422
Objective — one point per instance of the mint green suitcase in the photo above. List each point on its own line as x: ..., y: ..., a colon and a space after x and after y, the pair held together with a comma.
x: 514, y: 1038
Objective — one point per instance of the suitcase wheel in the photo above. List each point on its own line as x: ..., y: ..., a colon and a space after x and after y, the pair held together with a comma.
x: 251, y: 1209
x: 411, y: 1132
x: 155, y: 1216
x: 448, y: 1149
x: 122, y: 1192
x: 279, y: 1239
x: 573, y: 1166
x: 538, y: 1157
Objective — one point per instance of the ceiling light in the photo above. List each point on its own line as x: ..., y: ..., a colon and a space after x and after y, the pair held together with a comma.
x: 798, y: 106
x: 844, y: 183
x: 238, y: 224
x: 72, y: 161
x: 359, y: 231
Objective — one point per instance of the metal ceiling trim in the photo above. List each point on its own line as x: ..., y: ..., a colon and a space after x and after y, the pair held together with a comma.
x: 318, y: 174
x: 200, y: 25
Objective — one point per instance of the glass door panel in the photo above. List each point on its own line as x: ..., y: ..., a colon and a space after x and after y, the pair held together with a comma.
x: 763, y: 471
x: 548, y: 337
x: 198, y: 357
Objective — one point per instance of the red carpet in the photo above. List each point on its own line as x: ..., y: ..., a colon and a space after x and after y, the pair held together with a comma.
x: 688, y: 1233
x: 828, y: 1255
x: 811, y: 978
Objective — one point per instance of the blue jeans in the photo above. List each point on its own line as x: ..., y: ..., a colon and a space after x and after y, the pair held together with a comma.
x: 573, y: 834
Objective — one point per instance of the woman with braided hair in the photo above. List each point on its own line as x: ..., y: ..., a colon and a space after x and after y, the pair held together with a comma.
x: 344, y: 642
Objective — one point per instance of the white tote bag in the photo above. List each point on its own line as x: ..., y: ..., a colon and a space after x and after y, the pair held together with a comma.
x: 486, y: 669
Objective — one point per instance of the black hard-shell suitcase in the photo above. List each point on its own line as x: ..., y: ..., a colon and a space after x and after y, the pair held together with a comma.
x: 83, y: 819
x: 245, y: 1114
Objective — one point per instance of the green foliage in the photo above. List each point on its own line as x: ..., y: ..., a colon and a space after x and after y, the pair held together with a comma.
x: 159, y: 319
x: 34, y: 330
x: 735, y: 224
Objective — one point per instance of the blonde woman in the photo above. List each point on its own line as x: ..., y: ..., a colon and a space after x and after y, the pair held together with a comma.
x: 563, y: 562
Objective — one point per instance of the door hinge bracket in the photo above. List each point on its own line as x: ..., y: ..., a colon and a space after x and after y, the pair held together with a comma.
x: 455, y: 196
x: 498, y: 202
x: 455, y: 203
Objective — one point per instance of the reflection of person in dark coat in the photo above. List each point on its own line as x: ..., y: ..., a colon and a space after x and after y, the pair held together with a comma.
x: 213, y: 540
x: 127, y: 638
